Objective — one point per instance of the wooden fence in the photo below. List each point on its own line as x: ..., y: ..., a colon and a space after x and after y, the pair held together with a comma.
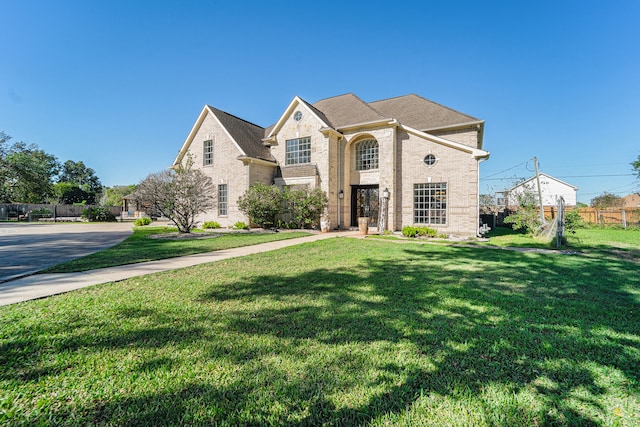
x: 611, y: 216
x: 44, y: 212
x: 624, y: 217
x: 608, y: 216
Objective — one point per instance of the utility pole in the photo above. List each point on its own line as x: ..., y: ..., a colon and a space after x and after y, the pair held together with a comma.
x: 535, y: 164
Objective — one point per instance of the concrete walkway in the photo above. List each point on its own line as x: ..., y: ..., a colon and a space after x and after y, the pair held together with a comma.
x: 44, y: 285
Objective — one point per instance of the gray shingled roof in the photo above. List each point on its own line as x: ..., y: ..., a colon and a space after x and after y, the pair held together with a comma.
x: 347, y: 109
x: 246, y: 134
x: 420, y: 113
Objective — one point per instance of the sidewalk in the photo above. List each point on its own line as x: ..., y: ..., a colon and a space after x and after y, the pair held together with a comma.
x: 44, y: 285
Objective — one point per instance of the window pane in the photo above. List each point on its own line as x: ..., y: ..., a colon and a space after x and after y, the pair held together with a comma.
x: 222, y: 199
x: 207, y: 153
x: 430, y: 203
x: 298, y: 151
x: 367, y: 154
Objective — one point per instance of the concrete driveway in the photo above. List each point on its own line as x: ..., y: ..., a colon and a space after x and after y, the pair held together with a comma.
x: 29, y: 247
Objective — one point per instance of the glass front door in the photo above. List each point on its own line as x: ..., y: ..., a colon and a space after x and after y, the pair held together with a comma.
x: 365, y: 202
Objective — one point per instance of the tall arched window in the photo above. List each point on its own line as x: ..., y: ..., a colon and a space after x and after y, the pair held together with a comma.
x: 367, y: 154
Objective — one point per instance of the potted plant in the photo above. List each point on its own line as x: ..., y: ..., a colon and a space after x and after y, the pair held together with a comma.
x: 363, y: 217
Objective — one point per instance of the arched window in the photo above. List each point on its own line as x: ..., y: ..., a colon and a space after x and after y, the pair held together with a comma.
x: 367, y: 154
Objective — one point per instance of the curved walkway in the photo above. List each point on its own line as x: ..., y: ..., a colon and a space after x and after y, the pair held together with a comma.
x: 44, y: 285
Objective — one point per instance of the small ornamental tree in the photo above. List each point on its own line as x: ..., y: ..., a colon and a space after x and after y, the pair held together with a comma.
x: 179, y: 194
x: 305, y: 206
x: 262, y: 204
x: 526, y: 218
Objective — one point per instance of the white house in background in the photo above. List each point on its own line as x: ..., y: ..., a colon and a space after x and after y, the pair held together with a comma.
x: 551, y: 189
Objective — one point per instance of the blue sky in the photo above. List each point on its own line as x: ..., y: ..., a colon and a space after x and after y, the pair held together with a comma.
x: 118, y: 84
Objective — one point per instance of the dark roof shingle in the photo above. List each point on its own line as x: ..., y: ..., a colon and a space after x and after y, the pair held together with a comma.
x: 246, y: 134
x: 347, y: 109
x: 420, y: 113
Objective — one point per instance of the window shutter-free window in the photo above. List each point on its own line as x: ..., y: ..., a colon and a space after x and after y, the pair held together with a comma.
x: 430, y: 203
x: 207, y: 153
x: 298, y: 151
x: 367, y: 155
x: 222, y: 199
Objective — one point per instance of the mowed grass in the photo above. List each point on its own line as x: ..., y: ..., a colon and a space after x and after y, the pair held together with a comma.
x: 337, y: 332
x: 584, y: 239
x: 140, y: 247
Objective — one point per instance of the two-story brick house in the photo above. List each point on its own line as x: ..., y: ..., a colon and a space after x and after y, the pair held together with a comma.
x: 421, y: 156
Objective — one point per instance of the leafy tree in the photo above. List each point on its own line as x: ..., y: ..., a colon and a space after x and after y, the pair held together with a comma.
x: 68, y: 193
x: 636, y: 166
x: 606, y: 200
x: 28, y: 174
x: 112, y: 196
x: 262, y: 203
x: 179, y: 194
x: 305, y: 206
x: 82, y: 177
x: 4, y: 169
x: 526, y: 218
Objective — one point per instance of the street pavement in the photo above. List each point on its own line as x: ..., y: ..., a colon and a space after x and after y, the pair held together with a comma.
x: 43, y: 285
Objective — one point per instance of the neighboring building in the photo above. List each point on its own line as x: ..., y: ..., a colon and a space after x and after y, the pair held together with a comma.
x: 426, y: 156
x: 552, y: 189
x: 631, y: 201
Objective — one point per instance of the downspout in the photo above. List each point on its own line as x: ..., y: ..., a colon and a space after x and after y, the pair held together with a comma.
x: 478, y: 197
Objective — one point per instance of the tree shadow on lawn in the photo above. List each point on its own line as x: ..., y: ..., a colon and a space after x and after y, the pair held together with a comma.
x: 522, y: 321
x: 406, y: 322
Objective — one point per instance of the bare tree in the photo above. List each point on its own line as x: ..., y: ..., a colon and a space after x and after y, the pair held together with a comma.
x: 179, y: 194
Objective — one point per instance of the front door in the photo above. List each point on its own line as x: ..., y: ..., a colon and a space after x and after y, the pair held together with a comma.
x: 364, y: 202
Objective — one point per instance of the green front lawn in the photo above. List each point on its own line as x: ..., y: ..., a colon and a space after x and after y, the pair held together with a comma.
x: 140, y: 247
x: 337, y: 332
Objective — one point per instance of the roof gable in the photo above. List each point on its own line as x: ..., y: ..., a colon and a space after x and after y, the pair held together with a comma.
x: 542, y: 174
x: 245, y: 135
x: 421, y: 113
x: 295, y: 102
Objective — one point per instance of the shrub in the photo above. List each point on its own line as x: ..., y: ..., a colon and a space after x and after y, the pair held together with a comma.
x: 304, y: 206
x: 39, y: 213
x: 298, y: 207
x: 573, y: 221
x: 140, y: 222
x: 240, y: 226
x: 262, y: 203
x: 526, y: 218
x: 211, y: 224
x: 97, y: 214
x: 421, y: 231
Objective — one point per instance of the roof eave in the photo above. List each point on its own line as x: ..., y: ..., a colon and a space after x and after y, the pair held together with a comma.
x: 190, y: 136
x: 477, y: 153
x: 253, y: 160
x: 479, y: 124
x: 368, y: 125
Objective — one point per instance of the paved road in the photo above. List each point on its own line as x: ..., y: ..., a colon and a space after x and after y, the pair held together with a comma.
x: 29, y: 247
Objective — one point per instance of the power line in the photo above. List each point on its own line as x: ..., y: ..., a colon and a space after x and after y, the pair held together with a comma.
x: 566, y: 176
x: 513, y: 167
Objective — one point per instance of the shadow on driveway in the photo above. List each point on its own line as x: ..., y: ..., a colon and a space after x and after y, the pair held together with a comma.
x: 28, y: 248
